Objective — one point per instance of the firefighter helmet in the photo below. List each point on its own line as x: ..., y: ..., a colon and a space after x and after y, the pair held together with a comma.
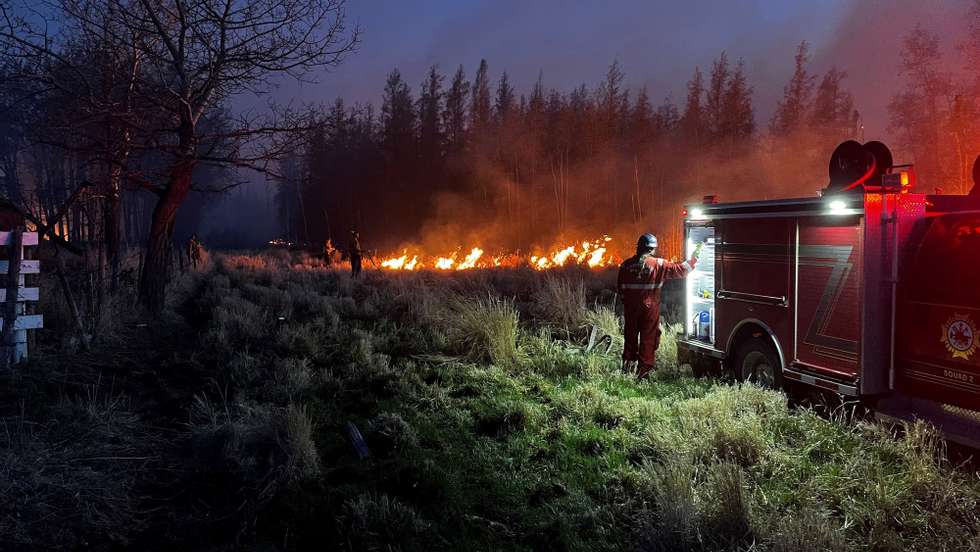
x: 646, y: 242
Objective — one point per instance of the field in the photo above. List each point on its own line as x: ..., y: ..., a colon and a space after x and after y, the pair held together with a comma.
x: 488, y: 425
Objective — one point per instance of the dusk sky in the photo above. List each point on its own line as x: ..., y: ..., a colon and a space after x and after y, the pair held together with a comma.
x: 658, y: 43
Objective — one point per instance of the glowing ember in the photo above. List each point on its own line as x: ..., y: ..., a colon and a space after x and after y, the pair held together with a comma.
x: 592, y: 254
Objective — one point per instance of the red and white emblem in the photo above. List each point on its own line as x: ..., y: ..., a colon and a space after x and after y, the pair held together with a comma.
x: 960, y: 336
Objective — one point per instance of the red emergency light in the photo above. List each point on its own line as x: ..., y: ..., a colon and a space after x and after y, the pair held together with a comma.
x: 899, y: 181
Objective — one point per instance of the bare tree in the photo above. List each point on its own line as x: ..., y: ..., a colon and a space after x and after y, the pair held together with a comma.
x: 188, y: 58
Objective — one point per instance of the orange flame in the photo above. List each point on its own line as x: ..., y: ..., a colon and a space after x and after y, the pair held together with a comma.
x: 592, y: 254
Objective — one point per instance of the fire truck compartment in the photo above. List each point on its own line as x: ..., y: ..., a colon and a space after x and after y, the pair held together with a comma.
x: 808, y: 282
x: 700, y: 285
x: 939, y: 312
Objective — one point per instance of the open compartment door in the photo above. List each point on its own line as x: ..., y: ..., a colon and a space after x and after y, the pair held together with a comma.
x: 700, y: 284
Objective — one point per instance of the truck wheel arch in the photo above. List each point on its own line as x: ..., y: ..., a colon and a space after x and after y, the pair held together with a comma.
x: 749, y: 328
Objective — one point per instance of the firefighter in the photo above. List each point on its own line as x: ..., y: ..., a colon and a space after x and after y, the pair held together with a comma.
x: 329, y: 253
x: 355, y: 253
x: 641, y: 278
x: 194, y: 250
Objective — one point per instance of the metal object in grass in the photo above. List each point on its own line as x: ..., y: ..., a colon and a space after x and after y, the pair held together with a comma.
x: 356, y: 439
x: 599, y: 343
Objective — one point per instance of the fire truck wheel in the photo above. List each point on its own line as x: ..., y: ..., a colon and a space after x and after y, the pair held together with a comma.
x: 756, y: 360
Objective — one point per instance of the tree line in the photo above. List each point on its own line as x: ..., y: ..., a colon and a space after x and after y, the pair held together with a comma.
x: 459, y: 158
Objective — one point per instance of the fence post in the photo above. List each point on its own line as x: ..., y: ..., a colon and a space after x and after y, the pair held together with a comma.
x: 9, y: 336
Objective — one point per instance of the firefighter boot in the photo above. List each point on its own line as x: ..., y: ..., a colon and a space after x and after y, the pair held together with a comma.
x: 643, y: 371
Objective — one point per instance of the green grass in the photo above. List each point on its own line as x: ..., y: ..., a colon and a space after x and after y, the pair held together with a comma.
x: 492, y: 428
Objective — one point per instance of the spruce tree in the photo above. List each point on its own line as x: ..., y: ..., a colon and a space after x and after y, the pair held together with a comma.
x: 504, y: 103
x: 791, y: 111
x: 480, y: 106
x: 430, y: 126
x: 454, y: 114
x: 693, y: 121
x: 715, y: 96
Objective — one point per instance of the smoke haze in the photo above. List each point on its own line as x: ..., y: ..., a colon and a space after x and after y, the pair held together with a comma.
x: 658, y: 47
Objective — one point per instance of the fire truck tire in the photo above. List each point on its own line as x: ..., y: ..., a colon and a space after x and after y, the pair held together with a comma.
x: 756, y: 360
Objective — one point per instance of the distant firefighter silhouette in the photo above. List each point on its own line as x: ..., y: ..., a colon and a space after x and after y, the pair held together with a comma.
x: 641, y: 278
x: 355, y: 253
x: 194, y: 248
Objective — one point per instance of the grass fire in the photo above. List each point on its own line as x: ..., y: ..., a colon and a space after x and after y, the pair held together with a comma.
x: 591, y: 254
x: 289, y: 275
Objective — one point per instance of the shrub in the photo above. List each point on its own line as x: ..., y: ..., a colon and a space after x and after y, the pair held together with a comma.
x: 485, y: 329
x: 299, y: 339
x: 237, y: 323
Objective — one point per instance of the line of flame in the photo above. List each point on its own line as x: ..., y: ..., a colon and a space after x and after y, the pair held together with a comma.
x: 593, y: 254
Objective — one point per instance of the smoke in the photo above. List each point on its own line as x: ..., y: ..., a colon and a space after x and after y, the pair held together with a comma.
x: 867, y: 44
x: 611, y: 191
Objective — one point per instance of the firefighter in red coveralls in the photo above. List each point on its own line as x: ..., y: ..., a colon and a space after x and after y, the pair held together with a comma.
x: 641, y: 278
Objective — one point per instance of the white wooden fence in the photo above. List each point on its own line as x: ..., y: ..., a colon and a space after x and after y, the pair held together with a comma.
x: 22, y: 321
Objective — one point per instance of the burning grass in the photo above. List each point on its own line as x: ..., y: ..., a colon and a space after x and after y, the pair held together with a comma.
x: 490, y: 427
x: 595, y: 253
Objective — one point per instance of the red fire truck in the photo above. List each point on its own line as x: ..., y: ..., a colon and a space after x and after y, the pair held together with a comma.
x: 869, y: 290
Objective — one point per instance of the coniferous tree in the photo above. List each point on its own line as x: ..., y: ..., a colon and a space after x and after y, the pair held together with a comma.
x: 666, y: 118
x: 454, y: 115
x: 480, y: 106
x: 430, y: 108
x: 715, y: 97
x: 738, y: 115
x: 918, y: 112
x: 832, y: 114
x: 693, y: 123
x: 504, y: 106
x: 398, y: 122
x: 612, y: 100
x: 791, y: 111
x: 642, y: 123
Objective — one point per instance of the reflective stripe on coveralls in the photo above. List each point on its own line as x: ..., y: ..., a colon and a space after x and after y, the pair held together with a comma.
x: 640, y: 281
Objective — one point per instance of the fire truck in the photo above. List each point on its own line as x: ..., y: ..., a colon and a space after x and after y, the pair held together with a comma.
x: 869, y: 290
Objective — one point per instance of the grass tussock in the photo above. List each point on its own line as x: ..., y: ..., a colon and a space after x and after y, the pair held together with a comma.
x: 485, y: 329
